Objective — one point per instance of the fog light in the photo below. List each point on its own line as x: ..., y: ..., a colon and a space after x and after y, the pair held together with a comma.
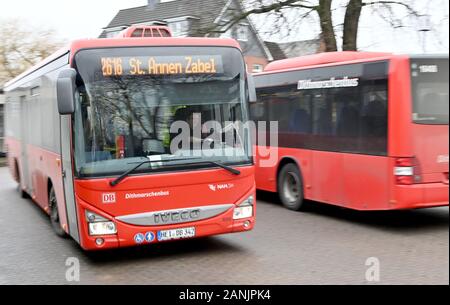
x: 102, y: 228
x: 247, y: 224
x: 99, y: 241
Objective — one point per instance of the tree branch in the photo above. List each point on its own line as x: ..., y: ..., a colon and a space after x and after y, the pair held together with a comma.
x: 262, y: 9
x: 408, y: 7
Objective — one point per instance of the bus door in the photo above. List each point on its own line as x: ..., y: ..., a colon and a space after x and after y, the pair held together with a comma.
x: 67, y: 174
x: 24, y: 132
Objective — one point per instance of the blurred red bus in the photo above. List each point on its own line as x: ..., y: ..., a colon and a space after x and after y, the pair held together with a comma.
x: 88, y: 135
x: 366, y: 131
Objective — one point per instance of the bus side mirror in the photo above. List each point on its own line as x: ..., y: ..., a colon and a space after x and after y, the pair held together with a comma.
x: 65, y: 91
x: 251, y: 89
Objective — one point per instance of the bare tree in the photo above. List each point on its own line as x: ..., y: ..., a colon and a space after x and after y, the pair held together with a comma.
x: 22, y: 47
x: 326, y: 25
x: 351, y: 24
x: 282, y: 10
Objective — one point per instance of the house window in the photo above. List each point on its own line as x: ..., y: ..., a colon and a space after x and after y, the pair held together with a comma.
x: 179, y: 28
x: 227, y: 34
x: 257, y: 68
x: 242, y: 33
x: 112, y: 34
x: 34, y: 91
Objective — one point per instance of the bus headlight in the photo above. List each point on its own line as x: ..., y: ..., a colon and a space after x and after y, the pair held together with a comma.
x: 102, y: 228
x: 245, y: 209
x: 99, y: 225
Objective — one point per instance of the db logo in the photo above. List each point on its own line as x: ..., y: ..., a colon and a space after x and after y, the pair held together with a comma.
x: 109, y: 197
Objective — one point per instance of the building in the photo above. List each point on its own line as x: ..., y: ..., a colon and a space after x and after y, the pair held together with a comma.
x: 295, y: 48
x: 206, y: 18
x: 2, y: 123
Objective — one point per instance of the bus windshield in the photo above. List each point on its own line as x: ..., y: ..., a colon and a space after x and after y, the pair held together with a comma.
x: 158, y: 104
x: 430, y: 91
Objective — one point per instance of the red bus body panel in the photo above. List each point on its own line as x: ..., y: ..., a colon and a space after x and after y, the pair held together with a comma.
x: 364, y: 182
x: 43, y: 166
x: 424, y: 143
x: 352, y: 181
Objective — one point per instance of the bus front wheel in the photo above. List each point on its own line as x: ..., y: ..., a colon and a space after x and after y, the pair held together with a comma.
x: 290, y: 187
x: 54, y: 214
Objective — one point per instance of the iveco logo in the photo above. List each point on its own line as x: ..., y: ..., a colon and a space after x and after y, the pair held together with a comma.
x: 158, y: 218
x: 177, y: 216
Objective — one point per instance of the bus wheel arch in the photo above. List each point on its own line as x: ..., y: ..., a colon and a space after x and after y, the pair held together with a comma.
x: 290, y: 185
x: 53, y: 210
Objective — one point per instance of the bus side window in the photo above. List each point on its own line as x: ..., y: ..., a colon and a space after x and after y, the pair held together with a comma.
x: 277, y: 109
x: 257, y: 111
x: 349, y: 114
x: 301, y: 114
x: 348, y: 121
x: 374, y: 119
x: 323, y: 115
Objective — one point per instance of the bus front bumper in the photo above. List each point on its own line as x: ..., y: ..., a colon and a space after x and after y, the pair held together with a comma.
x: 132, y: 235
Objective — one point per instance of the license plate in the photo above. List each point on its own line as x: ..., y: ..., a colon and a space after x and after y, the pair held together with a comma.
x: 176, y: 234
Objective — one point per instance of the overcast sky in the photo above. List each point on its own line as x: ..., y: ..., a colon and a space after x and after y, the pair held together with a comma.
x: 86, y: 18
x: 72, y: 19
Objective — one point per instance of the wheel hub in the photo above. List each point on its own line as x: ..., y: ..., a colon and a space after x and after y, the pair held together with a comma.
x: 291, y: 187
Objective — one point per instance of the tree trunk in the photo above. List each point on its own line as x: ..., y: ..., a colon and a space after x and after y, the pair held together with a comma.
x: 326, y: 25
x: 351, y: 24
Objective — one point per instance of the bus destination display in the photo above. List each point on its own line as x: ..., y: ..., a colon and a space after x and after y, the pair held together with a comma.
x: 161, y: 65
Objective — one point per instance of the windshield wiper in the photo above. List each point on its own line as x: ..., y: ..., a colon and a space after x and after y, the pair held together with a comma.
x: 221, y: 165
x: 130, y: 171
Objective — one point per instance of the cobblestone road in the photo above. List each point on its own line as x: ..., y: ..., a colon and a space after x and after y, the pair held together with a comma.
x: 327, y: 245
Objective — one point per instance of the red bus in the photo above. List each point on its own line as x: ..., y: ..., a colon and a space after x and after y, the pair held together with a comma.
x: 365, y: 131
x: 89, y: 134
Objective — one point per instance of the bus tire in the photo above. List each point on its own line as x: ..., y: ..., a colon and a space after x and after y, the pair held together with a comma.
x: 22, y: 193
x: 54, y: 213
x: 290, y: 187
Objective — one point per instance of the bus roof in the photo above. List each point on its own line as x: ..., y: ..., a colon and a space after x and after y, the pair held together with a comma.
x: 78, y: 45
x: 155, y: 42
x: 429, y: 56
x: 322, y: 59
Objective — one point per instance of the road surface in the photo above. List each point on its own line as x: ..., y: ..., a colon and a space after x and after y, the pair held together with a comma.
x: 327, y: 245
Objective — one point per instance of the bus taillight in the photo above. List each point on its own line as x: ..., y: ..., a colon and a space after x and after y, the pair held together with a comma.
x: 405, y: 171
